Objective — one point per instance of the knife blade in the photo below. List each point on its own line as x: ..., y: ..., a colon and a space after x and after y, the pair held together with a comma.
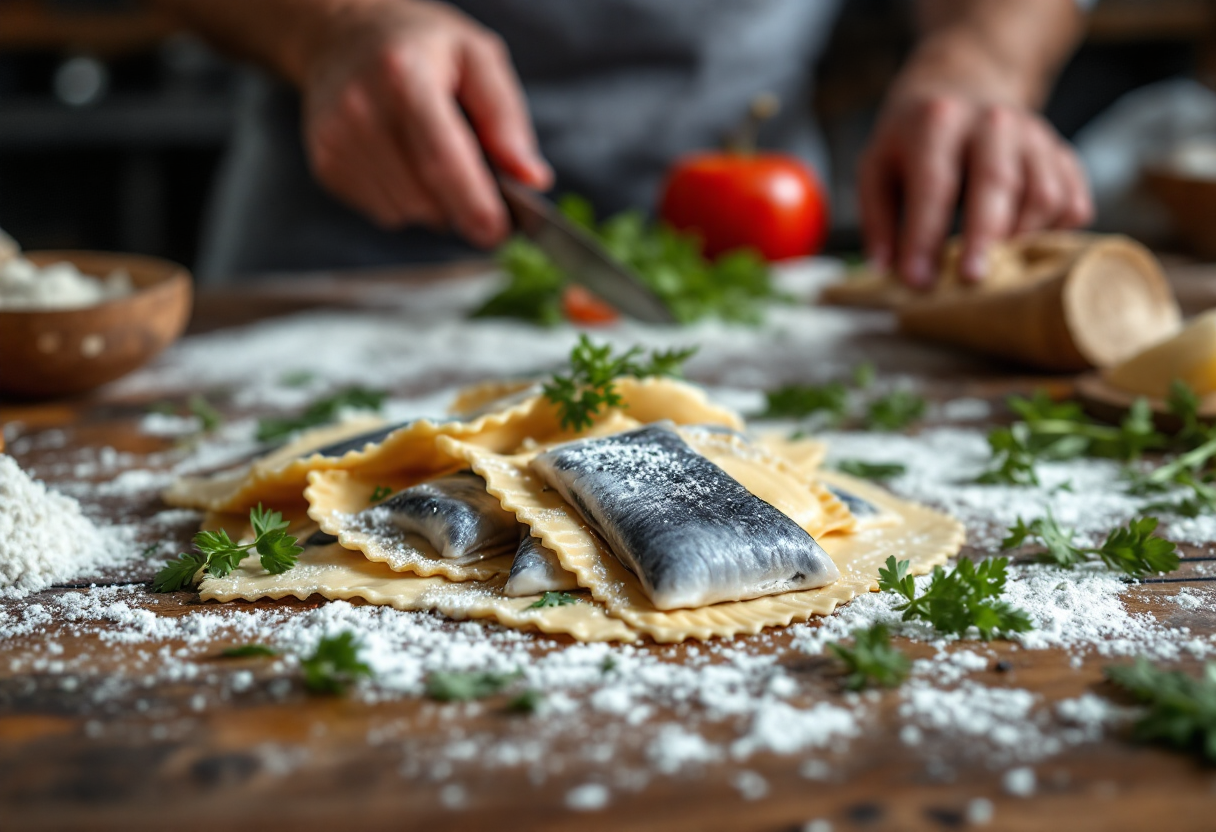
x: 580, y: 255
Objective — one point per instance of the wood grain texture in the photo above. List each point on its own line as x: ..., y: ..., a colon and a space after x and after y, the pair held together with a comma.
x: 272, y: 756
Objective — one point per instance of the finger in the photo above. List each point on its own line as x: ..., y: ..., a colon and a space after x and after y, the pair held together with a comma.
x: 491, y: 94
x: 1043, y: 173
x: 876, y: 197
x: 931, y: 170
x: 445, y: 153
x: 994, y: 189
x: 380, y: 162
x: 1078, y: 210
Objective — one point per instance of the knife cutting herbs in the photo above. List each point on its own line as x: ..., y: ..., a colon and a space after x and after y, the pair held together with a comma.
x: 733, y: 287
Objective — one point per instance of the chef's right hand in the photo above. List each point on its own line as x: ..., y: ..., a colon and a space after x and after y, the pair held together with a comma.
x: 401, y: 98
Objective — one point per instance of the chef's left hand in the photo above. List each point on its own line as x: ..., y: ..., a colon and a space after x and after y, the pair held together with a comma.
x: 1011, y: 170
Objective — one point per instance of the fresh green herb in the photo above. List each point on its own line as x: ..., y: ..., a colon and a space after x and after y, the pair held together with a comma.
x: 894, y: 411
x: 246, y: 651
x: 149, y: 550
x: 334, y: 666
x: 590, y: 386
x: 1181, y: 708
x: 467, y: 685
x: 871, y: 470
x: 607, y: 665
x: 527, y: 701
x: 872, y: 659
x: 864, y: 375
x: 297, y: 378
x: 321, y: 412
x: 1132, y: 550
x: 732, y: 287
x: 554, y: 599
x: 800, y: 400
x: 1202, y: 499
x: 218, y: 554
x: 957, y: 600
x: 207, y: 415
x: 1013, y: 460
x: 1183, y: 403
x: 379, y: 493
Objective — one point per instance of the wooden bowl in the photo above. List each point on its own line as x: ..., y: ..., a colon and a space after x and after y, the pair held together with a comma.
x: 51, y: 353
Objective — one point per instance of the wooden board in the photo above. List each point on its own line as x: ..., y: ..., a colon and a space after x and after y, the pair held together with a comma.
x: 269, y: 758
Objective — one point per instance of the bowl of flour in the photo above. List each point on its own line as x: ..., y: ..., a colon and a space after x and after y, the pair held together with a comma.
x: 71, y: 321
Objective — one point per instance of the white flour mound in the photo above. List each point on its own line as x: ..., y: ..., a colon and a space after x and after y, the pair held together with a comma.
x: 44, y: 536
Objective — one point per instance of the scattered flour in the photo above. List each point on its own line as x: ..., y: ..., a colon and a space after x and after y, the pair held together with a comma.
x: 45, y: 537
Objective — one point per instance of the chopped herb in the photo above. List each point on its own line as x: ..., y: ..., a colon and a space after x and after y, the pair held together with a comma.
x: 207, y: 415
x: 246, y: 651
x: 321, y: 412
x: 554, y: 599
x: 732, y: 287
x: 527, y: 701
x: 297, y: 378
x: 379, y: 493
x: 871, y: 470
x: 607, y: 665
x: 894, y: 411
x: 872, y: 659
x: 334, y: 666
x: 149, y: 550
x: 799, y: 400
x: 1132, y: 550
x: 467, y: 685
x: 1181, y: 709
x: 590, y: 386
x: 218, y: 554
x: 957, y: 600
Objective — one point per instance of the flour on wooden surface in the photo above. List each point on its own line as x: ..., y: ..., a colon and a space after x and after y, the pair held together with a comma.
x: 45, y: 537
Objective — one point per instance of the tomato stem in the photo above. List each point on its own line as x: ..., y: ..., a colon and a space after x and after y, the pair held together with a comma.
x: 744, y: 138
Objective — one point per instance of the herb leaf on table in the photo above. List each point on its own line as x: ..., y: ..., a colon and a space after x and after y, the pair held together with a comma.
x: 554, y: 599
x: 872, y: 659
x: 590, y: 386
x: 1181, y: 708
x: 467, y: 685
x: 1132, y: 550
x: 321, y: 412
x: 894, y: 411
x: 335, y: 665
x: 957, y: 600
x: 800, y: 400
x: 871, y: 470
x: 217, y: 554
x: 246, y: 651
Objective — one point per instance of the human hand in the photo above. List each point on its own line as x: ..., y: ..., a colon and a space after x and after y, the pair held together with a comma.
x: 1014, y: 174
x: 384, y: 88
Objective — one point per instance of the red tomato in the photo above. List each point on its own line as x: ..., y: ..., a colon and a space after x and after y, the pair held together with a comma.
x: 582, y: 307
x: 765, y: 201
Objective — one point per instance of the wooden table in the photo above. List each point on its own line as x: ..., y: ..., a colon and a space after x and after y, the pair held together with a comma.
x: 258, y: 761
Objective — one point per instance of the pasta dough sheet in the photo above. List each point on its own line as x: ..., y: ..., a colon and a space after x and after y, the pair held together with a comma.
x: 339, y: 574
x: 411, y: 454
x: 805, y: 455
x: 926, y: 538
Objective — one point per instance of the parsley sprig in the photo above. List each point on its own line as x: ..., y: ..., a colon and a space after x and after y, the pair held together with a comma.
x: 871, y: 470
x: 1132, y: 550
x: 554, y: 599
x: 590, y: 388
x: 835, y: 402
x: 467, y: 685
x: 321, y: 412
x: 894, y: 411
x: 733, y: 287
x: 955, y: 601
x: 1181, y: 708
x: 872, y: 659
x: 217, y: 554
x: 334, y: 665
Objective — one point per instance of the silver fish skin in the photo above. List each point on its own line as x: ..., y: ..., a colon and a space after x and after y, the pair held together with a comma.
x: 860, y: 507
x: 536, y: 569
x: 689, y: 531
x: 455, y: 514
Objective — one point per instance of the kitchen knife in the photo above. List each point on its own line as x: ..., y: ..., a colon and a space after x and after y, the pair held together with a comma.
x: 580, y: 255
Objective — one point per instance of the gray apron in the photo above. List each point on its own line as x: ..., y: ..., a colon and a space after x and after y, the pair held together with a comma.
x: 617, y: 89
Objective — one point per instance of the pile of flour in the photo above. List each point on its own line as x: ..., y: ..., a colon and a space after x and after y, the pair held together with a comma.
x: 45, y: 537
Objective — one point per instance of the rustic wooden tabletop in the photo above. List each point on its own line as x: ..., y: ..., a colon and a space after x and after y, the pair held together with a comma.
x: 92, y: 754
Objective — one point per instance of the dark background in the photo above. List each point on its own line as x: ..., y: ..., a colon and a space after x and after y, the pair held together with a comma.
x: 112, y: 123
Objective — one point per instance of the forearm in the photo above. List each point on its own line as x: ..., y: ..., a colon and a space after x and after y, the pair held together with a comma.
x: 278, y: 34
x: 1002, y: 51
